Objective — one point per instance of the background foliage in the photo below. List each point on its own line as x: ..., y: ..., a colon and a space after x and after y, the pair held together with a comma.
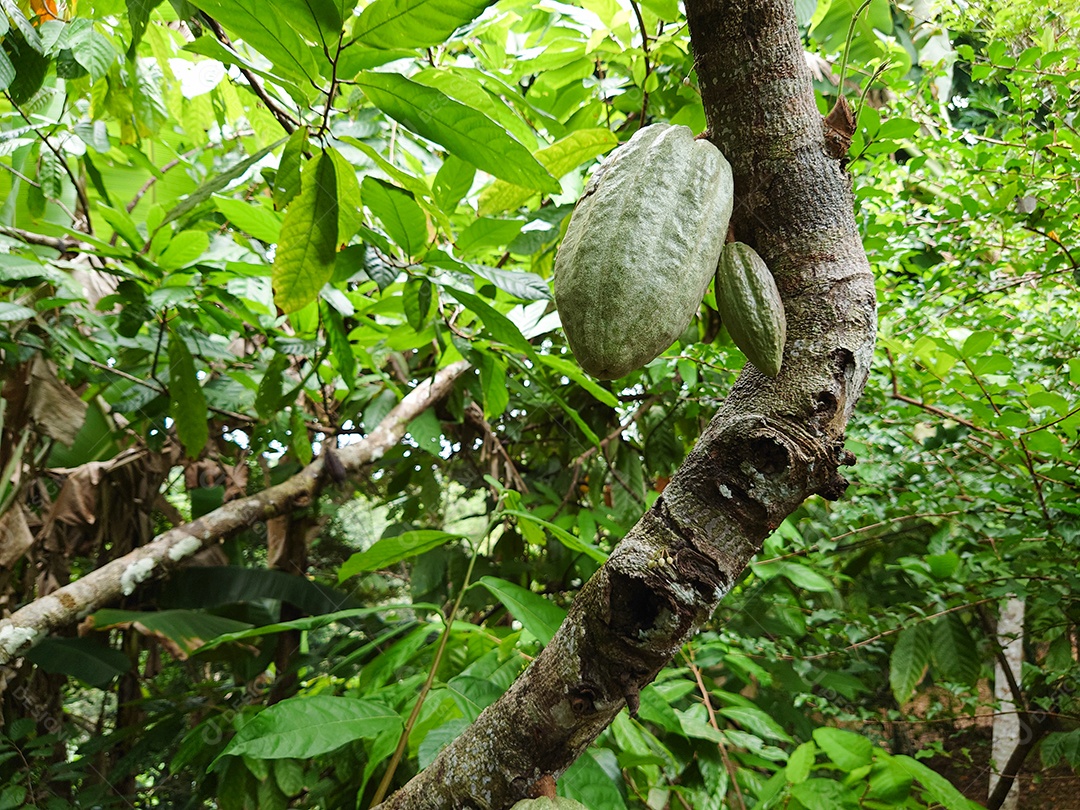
x: 235, y: 234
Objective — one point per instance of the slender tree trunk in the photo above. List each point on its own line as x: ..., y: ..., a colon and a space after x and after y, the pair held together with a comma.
x: 1007, y: 730
x: 772, y: 444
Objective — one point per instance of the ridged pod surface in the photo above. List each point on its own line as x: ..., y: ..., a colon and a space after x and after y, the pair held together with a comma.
x: 641, y: 248
x: 544, y: 803
x: 750, y: 306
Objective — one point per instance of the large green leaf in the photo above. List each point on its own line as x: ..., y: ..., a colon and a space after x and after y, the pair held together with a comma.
x: 271, y: 34
x: 304, y: 727
x: 87, y: 659
x: 464, y: 132
x: 562, y: 157
x: 305, y: 254
x: 188, y: 403
x: 500, y: 327
x: 214, y: 586
x: 908, y: 661
x: 956, y: 657
x: 937, y: 787
x: 187, y: 629
x: 216, y: 183
x: 536, y: 614
x: 846, y: 748
x: 413, y: 23
x: 402, y: 218
x: 391, y: 550
x: 318, y: 21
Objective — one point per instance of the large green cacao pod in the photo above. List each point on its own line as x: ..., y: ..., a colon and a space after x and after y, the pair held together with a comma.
x: 641, y: 248
x: 750, y: 306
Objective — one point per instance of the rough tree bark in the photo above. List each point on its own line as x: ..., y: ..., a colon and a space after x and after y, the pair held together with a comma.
x: 771, y: 445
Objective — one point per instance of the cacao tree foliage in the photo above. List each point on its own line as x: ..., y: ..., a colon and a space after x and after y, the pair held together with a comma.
x: 234, y: 235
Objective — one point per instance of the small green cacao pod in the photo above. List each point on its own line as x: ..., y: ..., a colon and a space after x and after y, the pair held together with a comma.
x: 544, y: 803
x: 750, y: 306
x: 641, y: 248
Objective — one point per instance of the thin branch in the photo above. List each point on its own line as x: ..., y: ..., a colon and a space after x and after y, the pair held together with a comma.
x: 883, y: 634
x: 645, y: 58
x: 288, y: 123
x: 33, y: 622
x: 63, y: 244
x: 80, y: 192
x: 732, y: 773
x: 403, y: 740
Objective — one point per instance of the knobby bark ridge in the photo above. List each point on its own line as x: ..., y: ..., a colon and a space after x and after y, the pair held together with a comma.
x: 772, y: 444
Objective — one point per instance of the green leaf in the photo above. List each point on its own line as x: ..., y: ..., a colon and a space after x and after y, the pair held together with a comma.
x: 187, y: 629
x: 908, y: 661
x: 188, y: 404
x: 268, y: 394
x: 350, y: 217
x: 7, y: 72
x: 823, y: 794
x: 757, y: 721
x: 95, y: 53
x: 417, y: 301
x: 800, y: 763
x: 270, y: 34
x: 287, y: 178
x: 319, y: 21
x: 889, y: 782
x: 311, y: 623
x: 218, y: 182
x: 452, y: 182
x: 846, y: 748
x: 183, y: 249
x: 340, y: 349
x: 305, y: 255
x: 251, y: 218
x: 402, y: 218
x: 413, y: 23
x: 426, y: 430
x: 15, y: 312
x: 572, y: 542
x: 488, y: 233
x: 802, y: 576
x: 306, y: 726
x: 493, y: 383
x: 1061, y: 745
x: 87, y: 659
x: 464, y: 132
x: 955, y: 655
x: 500, y: 327
x: 937, y: 787
x: 138, y: 17
x: 562, y: 157
x: 392, y: 550
x: 536, y: 614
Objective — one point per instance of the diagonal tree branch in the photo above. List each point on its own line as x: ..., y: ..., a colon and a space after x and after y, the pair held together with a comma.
x: 774, y: 442
x: 30, y: 624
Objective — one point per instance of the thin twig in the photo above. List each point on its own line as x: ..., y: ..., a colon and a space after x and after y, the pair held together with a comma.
x: 288, y: 123
x: 645, y: 58
x: 712, y: 722
x: 403, y: 741
x: 80, y: 192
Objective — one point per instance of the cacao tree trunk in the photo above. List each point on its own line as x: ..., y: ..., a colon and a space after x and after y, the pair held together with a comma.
x: 772, y: 444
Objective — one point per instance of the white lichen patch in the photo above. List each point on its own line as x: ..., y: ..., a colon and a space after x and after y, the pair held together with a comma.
x: 184, y: 548
x: 138, y: 571
x: 723, y: 489
x: 13, y: 639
